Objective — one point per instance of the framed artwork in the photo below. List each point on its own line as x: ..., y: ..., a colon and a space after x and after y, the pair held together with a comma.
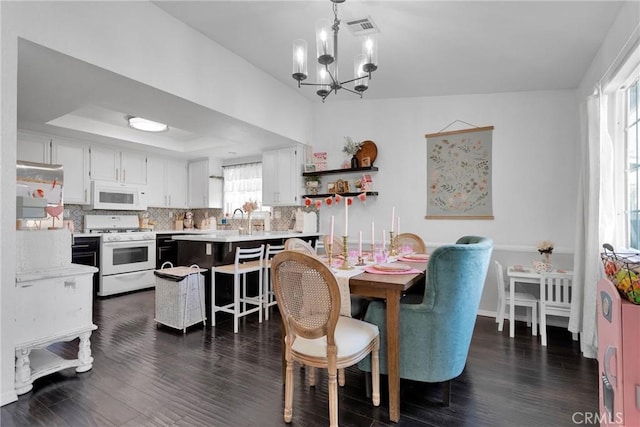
x: 340, y: 186
x: 331, y: 187
x: 366, y: 162
x: 309, y: 167
x: 459, y: 174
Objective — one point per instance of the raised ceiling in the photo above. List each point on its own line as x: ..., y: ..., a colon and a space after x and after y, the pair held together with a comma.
x: 427, y: 48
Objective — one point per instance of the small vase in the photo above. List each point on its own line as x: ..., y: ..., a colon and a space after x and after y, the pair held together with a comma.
x: 354, y: 162
x: 249, y: 223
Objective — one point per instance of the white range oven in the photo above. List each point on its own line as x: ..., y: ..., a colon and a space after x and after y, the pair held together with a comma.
x: 127, y: 254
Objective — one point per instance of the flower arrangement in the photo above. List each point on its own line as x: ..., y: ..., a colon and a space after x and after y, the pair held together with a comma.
x: 545, y: 247
x: 350, y: 146
x: 249, y: 206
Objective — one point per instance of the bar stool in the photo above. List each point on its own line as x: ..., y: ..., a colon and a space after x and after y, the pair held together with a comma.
x: 268, y: 297
x: 247, y: 260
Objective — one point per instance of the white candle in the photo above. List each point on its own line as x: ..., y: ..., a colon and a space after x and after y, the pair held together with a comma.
x: 360, y: 244
x: 331, y: 232
x: 384, y: 240
x: 393, y: 217
x: 346, y: 217
x: 373, y: 235
x: 398, y: 229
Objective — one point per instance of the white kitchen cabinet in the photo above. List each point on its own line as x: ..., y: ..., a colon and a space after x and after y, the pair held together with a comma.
x: 110, y: 164
x: 73, y: 156
x: 199, y: 184
x: 33, y: 147
x: 167, y: 180
x: 281, y: 180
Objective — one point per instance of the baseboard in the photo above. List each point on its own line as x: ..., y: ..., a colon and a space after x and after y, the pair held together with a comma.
x: 8, y: 397
x: 560, y: 322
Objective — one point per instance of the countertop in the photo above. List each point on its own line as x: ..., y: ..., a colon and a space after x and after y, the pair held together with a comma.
x: 234, y: 236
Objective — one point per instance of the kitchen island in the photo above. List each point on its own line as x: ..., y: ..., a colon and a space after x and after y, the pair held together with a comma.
x: 218, y: 248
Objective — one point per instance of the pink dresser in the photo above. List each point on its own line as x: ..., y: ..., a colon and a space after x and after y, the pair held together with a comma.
x: 618, y: 357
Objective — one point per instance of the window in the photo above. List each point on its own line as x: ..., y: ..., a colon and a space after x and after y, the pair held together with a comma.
x: 241, y: 184
x: 633, y: 164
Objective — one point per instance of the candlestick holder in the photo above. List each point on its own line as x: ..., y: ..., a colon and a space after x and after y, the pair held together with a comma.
x: 345, y: 254
x: 373, y: 251
x: 360, y: 261
x: 392, y: 245
x: 330, y: 254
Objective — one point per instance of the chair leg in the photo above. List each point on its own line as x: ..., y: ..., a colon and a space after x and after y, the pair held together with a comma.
x: 266, y: 300
x: 288, y: 392
x: 236, y: 301
x: 260, y: 296
x: 333, y: 397
x: 312, y: 376
x: 446, y: 393
x: 213, y: 297
x: 534, y: 320
x: 341, y: 379
x: 500, y: 316
x: 375, y: 375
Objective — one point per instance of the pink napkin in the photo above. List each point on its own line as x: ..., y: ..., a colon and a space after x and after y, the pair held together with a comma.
x: 370, y: 269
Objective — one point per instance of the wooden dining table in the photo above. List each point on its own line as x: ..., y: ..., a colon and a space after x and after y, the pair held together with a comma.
x: 390, y: 288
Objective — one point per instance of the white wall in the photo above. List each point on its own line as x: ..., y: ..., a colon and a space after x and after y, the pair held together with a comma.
x: 534, y: 167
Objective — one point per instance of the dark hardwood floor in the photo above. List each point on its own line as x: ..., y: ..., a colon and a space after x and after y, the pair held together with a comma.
x: 145, y: 375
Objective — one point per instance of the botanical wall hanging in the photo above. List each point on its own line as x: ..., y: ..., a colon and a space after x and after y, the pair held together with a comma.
x: 459, y: 174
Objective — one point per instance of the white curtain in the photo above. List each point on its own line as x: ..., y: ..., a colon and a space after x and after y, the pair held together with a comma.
x: 241, y: 184
x: 595, y: 222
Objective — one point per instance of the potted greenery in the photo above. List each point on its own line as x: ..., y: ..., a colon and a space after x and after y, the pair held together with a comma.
x: 312, y: 182
x: 351, y: 148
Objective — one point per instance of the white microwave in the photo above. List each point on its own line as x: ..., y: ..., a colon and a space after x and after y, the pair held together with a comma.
x: 113, y: 196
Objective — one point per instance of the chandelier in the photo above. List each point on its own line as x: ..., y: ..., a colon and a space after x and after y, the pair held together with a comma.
x: 327, y: 54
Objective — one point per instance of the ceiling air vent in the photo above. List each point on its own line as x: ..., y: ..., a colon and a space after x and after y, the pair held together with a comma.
x: 362, y: 26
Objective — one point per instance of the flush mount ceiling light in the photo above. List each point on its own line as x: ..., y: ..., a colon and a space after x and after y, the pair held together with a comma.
x: 327, y: 54
x: 146, y: 125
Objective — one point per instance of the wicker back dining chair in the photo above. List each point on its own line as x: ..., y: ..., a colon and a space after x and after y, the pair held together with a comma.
x: 296, y: 244
x: 413, y: 240
x: 336, y: 245
x: 315, y: 334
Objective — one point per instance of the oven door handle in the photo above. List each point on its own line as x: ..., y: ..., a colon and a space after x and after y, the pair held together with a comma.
x: 129, y: 243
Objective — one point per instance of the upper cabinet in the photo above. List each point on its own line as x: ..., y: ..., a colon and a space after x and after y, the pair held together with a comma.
x: 199, y: 184
x: 110, y: 164
x: 73, y: 156
x: 281, y: 181
x: 167, y: 180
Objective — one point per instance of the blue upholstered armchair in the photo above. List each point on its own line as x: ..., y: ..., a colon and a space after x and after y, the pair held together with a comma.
x: 435, y: 335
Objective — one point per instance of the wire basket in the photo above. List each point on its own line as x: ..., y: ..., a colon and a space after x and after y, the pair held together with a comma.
x: 623, y: 269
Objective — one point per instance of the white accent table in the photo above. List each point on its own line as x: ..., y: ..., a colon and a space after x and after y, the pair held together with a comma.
x: 52, y: 305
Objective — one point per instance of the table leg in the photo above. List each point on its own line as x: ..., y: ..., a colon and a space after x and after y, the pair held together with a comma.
x: 512, y: 309
x: 393, y: 353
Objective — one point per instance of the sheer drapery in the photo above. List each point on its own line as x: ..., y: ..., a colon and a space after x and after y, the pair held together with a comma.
x: 595, y: 222
x: 241, y: 184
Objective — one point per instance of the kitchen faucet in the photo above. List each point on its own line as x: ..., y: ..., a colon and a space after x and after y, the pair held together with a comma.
x: 241, y: 212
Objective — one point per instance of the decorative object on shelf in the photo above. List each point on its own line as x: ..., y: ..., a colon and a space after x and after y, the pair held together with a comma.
x: 327, y: 56
x: 342, y: 186
x: 320, y: 161
x: 331, y: 187
x: 312, y: 182
x: 367, y: 149
x: 351, y: 148
x: 309, y: 167
x: 188, y: 221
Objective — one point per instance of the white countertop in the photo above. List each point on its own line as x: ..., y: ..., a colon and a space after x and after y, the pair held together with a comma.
x: 233, y: 236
